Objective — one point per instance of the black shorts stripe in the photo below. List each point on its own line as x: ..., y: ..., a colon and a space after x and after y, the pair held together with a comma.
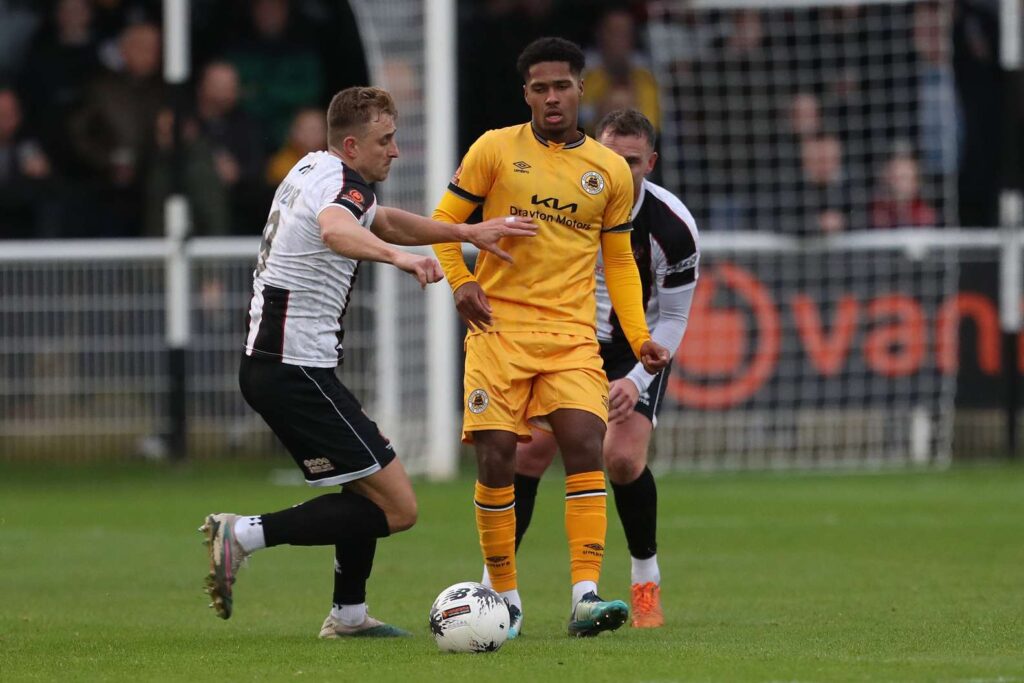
x: 656, y: 392
x: 270, y: 338
x: 341, y: 415
x: 468, y: 196
x: 587, y: 492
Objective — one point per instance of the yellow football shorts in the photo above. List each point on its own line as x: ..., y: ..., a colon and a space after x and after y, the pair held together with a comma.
x: 515, y: 379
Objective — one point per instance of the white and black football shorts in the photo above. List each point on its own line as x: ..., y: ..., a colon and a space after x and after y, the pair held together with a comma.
x: 618, y: 361
x: 317, y: 418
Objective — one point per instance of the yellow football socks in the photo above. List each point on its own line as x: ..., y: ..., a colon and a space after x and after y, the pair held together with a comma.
x: 496, y: 524
x: 586, y: 523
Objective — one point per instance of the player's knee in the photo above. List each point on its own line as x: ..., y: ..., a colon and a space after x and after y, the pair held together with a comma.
x: 532, y: 459
x: 622, y: 466
x: 403, y: 517
x: 584, y: 453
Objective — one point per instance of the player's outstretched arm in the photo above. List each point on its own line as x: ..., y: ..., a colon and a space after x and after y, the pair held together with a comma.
x: 402, y: 227
x: 624, y: 290
x: 343, y: 234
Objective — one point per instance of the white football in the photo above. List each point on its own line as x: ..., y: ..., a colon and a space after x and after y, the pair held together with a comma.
x: 469, y: 617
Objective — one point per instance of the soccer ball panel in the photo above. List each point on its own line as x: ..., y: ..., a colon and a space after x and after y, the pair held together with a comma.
x: 469, y: 617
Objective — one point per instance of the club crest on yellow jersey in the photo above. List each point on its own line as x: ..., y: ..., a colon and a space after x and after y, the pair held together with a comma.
x: 592, y: 182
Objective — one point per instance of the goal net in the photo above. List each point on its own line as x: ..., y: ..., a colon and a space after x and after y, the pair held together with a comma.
x: 787, y: 127
x: 808, y: 117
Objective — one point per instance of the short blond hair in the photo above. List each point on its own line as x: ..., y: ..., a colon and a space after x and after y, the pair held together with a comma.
x: 354, y: 107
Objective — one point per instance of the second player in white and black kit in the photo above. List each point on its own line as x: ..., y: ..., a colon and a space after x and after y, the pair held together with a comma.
x: 666, y: 247
x: 323, y: 221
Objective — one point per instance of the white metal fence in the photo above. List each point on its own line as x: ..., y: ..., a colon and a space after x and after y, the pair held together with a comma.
x: 852, y: 331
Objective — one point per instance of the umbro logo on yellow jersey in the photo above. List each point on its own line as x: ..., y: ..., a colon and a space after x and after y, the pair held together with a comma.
x: 522, y: 167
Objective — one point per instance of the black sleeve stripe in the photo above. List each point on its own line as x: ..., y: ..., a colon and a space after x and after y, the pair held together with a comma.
x: 468, y: 196
x: 625, y: 227
x: 687, y: 277
x: 356, y: 210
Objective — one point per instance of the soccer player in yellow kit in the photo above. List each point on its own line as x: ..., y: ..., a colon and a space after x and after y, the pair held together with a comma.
x: 532, y: 356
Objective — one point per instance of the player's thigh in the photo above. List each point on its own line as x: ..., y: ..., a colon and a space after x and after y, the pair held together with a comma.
x: 534, y: 457
x: 391, y: 490
x: 496, y: 385
x: 319, y: 421
x: 625, y: 447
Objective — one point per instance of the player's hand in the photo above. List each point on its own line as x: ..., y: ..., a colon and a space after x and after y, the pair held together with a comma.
x: 622, y: 397
x: 473, y: 306
x: 424, y: 268
x: 484, y: 236
x: 654, y: 356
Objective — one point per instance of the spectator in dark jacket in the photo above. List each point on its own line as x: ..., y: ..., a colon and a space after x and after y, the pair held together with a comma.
x: 237, y: 145
x: 26, y: 210
x: 112, y: 133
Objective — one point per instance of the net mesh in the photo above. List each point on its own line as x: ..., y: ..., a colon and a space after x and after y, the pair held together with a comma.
x: 810, y: 119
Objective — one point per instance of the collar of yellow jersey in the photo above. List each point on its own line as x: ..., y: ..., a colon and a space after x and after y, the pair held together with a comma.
x: 569, y: 145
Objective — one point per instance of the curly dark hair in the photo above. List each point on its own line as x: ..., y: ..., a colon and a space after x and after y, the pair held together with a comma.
x: 551, y: 49
x: 627, y: 122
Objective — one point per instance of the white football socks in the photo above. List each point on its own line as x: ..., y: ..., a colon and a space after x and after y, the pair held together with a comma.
x: 645, y: 571
x: 249, y: 534
x: 513, y: 598
x: 350, y: 615
x: 580, y: 589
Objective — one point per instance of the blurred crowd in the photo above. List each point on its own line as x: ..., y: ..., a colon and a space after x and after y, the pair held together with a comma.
x: 86, y: 127
x: 86, y: 130
x: 802, y: 120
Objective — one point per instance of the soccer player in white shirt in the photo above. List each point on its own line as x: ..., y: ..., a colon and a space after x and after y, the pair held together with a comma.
x: 323, y: 221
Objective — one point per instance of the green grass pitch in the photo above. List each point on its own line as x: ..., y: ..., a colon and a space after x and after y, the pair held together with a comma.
x: 768, y: 577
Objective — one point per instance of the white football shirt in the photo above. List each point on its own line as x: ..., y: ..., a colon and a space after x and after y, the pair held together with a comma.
x: 300, y: 287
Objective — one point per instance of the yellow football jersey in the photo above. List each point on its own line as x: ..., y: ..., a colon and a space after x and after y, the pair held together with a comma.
x: 577, y: 193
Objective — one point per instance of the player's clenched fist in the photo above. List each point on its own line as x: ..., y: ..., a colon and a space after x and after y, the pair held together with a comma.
x: 654, y: 356
x: 424, y: 268
x: 473, y: 306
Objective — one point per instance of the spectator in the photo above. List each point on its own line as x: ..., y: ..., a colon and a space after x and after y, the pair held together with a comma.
x: 308, y: 134
x: 801, y: 119
x: 721, y: 140
x: 797, y: 118
x: 18, y: 21
x: 981, y: 85
x: 113, y: 130
x: 899, y: 203
x: 804, y: 115
x: 25, y: 175
x: 279, y: 75
x: 938, y: 110
x: 64, y: 59
x: 616, y: 80
x: 236, y: 144
x: 490, y: 90
x: 207, y: 196
x: 825, y: 197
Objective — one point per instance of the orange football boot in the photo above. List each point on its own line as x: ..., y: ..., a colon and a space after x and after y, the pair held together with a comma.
x: 647, y: 605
